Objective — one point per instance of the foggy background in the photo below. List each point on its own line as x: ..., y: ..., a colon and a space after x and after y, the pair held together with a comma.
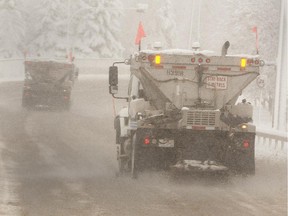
x: 64, y: 163
x: 33, y: 27
x: 106, y: 29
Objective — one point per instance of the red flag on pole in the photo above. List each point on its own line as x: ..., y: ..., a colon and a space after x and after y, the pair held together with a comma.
x: 140, y: 34
x: 254, y: 29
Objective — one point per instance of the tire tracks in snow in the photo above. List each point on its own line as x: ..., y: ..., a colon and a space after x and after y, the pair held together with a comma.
x: 8, y: 198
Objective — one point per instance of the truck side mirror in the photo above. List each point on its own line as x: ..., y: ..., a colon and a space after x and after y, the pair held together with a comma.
x: 113, y: 80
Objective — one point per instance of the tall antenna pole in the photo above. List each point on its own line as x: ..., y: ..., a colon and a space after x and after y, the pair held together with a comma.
x: 68, y: 27
x: 195, y: 6
x: 191, y: 25
x: 199, y: 19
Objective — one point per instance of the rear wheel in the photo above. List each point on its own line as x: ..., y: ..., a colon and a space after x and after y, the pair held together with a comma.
x: 67, y: 105
x: 124, y: 156
x: 134, y: 171
x: 26, y: 103
x: 247, y: 167
x: 123, y: 150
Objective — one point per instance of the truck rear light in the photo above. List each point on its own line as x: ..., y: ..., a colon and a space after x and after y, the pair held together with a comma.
x: 243, y: 63
x: 157, y: 59
x: 147, y: 140
x: 208, y: 60
x: 246, y: 144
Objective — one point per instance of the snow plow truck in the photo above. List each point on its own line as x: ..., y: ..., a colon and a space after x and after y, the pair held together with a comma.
x: 48, y: 83
x: 182, y: 112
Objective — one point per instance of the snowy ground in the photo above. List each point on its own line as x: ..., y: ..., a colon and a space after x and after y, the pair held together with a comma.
x: 8, y: 195
x: 63, y: 163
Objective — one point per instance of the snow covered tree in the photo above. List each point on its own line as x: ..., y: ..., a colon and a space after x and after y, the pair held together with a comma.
x: 248, y: 14
x: 265, y: 15
x: 96, y: 28
x: 167, y: 24
x: 12, y: 29
x: 50, y: 21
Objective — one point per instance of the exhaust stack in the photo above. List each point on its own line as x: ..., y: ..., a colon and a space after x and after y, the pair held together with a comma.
x: 225, y: 47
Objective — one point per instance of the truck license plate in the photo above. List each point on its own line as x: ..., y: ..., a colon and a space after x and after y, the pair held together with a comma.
x: 166, y: 143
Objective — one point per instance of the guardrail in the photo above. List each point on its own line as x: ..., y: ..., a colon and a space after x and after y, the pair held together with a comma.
x: 13, y: 69
x: 271, y: 137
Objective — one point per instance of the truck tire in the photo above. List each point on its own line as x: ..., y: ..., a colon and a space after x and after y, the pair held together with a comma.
x: 126, y: 162
x: 247, y: 169
x: 118, y: 129
x: 121, y: 155
x: 26, y: 103
x: 124, y: 152
x: 134, y: 171
x: 67, y: 106
x: 120, y: 160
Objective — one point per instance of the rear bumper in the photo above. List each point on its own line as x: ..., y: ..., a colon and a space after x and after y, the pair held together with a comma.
x: 34, y: 98
x: 236, y: 153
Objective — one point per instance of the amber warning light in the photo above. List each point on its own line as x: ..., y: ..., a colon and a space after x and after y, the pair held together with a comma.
x: 157, y: 59
x: 243, y: 62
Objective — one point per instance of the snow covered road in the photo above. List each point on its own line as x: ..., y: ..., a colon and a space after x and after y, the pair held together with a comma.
x: 64, y: 163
